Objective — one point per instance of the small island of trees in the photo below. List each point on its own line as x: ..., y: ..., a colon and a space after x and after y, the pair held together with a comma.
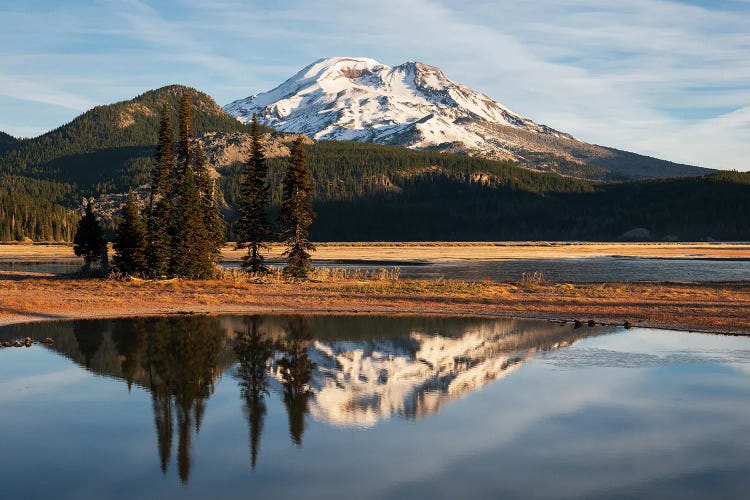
x: 180, y: 231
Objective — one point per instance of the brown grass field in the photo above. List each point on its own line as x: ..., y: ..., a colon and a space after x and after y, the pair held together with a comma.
x: 712, y: 307
x: 442, y: 251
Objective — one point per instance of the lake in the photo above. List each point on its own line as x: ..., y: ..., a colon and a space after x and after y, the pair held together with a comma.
x: 371, y: 407
x: 574, y: 270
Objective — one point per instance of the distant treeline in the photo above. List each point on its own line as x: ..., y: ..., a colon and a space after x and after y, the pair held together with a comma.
x: 367, y: 192
x: 371, y: 192
x: 23, y: 216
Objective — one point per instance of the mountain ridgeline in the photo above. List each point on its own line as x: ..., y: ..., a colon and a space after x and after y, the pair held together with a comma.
x: 363, y: 191
x: 417, y: 106
x: 7, y: 142
x: 111, y: 141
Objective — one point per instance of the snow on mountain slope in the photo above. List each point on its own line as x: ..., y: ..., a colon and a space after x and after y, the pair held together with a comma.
x: 360, y: 383
x: 417, y: 106
x: 360, y: 99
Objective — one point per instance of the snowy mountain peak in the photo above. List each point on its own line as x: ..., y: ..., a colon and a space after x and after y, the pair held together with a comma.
x: 412, y: 104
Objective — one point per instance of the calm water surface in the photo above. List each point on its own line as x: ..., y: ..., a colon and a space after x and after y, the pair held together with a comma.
x: 584, y: 270
x: 371, y: 407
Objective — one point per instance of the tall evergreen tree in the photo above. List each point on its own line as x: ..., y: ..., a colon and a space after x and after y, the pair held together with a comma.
x: 185, y: 135
x: 164, y: 166
x: 186, y: 228
x: 161, y: 206
x: 190, y: 259
x: 131, y: 240
x: 89, y: 241
x: 253, y: 227
x: 212, y: 217
x: 297, y: 213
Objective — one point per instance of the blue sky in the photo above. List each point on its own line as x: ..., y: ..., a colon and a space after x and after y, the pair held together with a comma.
x: 665, y: 78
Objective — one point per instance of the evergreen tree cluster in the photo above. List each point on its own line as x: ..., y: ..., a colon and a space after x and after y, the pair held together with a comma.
x: 296, y: 213
x: 252, y: 224
x: 89, y: 241
x: 183, y: 231
x: 131, y: 238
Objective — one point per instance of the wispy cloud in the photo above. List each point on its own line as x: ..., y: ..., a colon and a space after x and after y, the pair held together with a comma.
x: 665, y: 78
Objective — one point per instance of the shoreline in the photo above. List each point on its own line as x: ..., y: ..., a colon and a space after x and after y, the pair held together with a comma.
x: 355, y: 312
x: 719, y: 308
x: 393, y: 253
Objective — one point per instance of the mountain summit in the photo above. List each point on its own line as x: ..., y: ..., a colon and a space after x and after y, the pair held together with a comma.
x: 417, y: 106
x: 360, y: 99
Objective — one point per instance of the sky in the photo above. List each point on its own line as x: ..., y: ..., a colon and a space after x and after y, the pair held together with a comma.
x: 669, y: 79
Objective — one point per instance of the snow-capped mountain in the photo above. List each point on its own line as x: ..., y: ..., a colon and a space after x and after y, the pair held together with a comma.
x: 417, y: 106
x: 360, y: 99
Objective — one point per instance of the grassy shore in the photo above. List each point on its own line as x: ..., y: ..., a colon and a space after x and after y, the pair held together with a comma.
x: 713, y: 307
x: 442, y: 251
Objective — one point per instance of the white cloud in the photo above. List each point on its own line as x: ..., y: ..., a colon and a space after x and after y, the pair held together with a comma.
x: 658, y: 77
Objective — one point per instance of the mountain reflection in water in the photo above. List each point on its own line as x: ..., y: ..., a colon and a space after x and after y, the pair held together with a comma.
x: 346, y: 371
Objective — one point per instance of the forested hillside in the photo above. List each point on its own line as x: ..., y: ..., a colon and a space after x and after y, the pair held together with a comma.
x: 363, y: 191
x: 25, y: 217
x: 36, y: 209
x: 111, y: 139
x: 369, y: 192
x: 7, y: 142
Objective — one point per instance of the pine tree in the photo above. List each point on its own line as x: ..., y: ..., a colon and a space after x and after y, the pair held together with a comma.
x: 161, y: 207
x: 131, y: 240
x: 297, y: 214
x: 186, y: 130
x: 186, y: 229
x: 162, y: 173
x: 190, y: 259
x: 253, y: 227
x: 212, y: 217
x: 89, y: 240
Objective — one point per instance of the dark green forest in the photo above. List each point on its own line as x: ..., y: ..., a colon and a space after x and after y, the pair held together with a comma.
x: 36, y: 209
x: 363, y: 191
x: 370, y: 192
x: 7, y: 142
x: 23, y: 216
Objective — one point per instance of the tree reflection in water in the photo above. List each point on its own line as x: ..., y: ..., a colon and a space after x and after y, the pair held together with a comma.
x: 181, y: 361
x: 89, y: 336
x: 295, y: 369
x: 365, y: 370
x: 253, y: 352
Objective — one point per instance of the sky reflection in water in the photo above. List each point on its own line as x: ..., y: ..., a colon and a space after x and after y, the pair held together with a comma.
x: 582, y: 270
x: 371, y: 407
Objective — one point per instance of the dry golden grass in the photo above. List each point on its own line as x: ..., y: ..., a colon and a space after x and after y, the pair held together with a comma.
x: 717, y: 307
x: 443, y: 251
